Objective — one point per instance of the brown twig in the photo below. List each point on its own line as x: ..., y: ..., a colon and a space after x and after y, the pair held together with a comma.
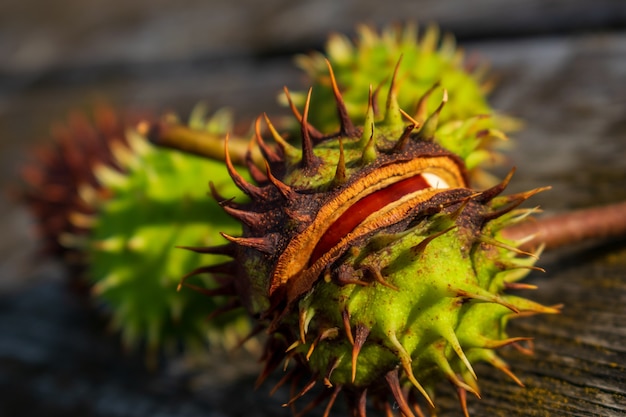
x: 572, y: 227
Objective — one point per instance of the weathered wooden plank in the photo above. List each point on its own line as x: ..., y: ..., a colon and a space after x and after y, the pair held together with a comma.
x: 55, y: 358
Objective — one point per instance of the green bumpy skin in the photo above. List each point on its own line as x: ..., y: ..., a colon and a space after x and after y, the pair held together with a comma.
x: 425, y: 64
x: 155, y: 204
x: 376, y: 268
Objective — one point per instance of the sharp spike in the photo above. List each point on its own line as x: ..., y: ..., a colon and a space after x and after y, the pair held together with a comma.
x: 369, y: 152
x: 374, y: 100
x: 405, y: 360
x: 324, y: 334
x: 499, y: 364
x: 411, y: 120
x: 304, y: 318
x: 228, y: 249
x: 347, y: 127
x: 478, y: 293
x: 223, y: 268
x: 496, y: 344
x: 313, y: 404
x: 404, y: 138
x: 515, y: 200
x: 309, y: 159
x: 252, y: 191
x: 334, y: 363
x: 287, y: 377
x: 509, y: 266
x: 332, y: 399
x: 221, y: 200
x: 496, y: 190
x: 286, y: 191
x: 525, y: 350
x: 270, y: 155
x: 370, y: 117
x: 361, y: 405
x: 249, y: 218
x: 291, y: 152
x: 315, y: 134
x: 427, y: 132
x: 462, y: 393
x: 272, y: 357
x: 264, y: 244
x: 394, y: 385
x: 345, y: 316
x: 520, y: 285
x: 378, y: 276
x: 421, y: 109
x: 304, y: 390
x: 393, y: 117
x: 450, y: 336
x: 441, y: 360
x: 340, y: 172
x: 362, y: 332
x: 257, y: 175
x: 416, y: 251
x: 492, y: 241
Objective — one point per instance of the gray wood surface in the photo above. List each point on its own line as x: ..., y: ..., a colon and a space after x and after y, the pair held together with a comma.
x: 567, y: 80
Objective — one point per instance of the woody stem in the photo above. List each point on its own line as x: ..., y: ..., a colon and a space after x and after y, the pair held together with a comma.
x: 197, y: 142
x: 572, y: 227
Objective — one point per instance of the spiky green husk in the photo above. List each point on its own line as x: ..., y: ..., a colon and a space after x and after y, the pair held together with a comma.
x: 135, y: 266
x: 123, y: 206
x: 442, y: 307
x: 425, y: 63
x: 59, y: 167
x: 413, y: 299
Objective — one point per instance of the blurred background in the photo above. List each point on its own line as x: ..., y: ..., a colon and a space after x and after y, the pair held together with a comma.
x: 561, y: 66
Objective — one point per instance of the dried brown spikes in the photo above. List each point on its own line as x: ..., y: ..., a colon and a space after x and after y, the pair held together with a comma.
x: 496, y: 344
x: 269, y: 153
x: 228, y: 249
x: 304, y: 390
x: 257, y: 175
x: 286, y: 191
x: 315, y: 134
x: 250, y: 218
x: 345, y: 316
x: 516, y: 200
x: 462, y: 393
x: 225, y: 268
x: 309, y: 160
x: 330, y: 333
x: 231, y: 305
x: 361, y: 333
x: 332, y: 399
x: 251, y: 190
x: 404, y: 138
x: 347, y: 127
x: 394, y: 385
x: 497, y: 189
x: 262, y: 244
